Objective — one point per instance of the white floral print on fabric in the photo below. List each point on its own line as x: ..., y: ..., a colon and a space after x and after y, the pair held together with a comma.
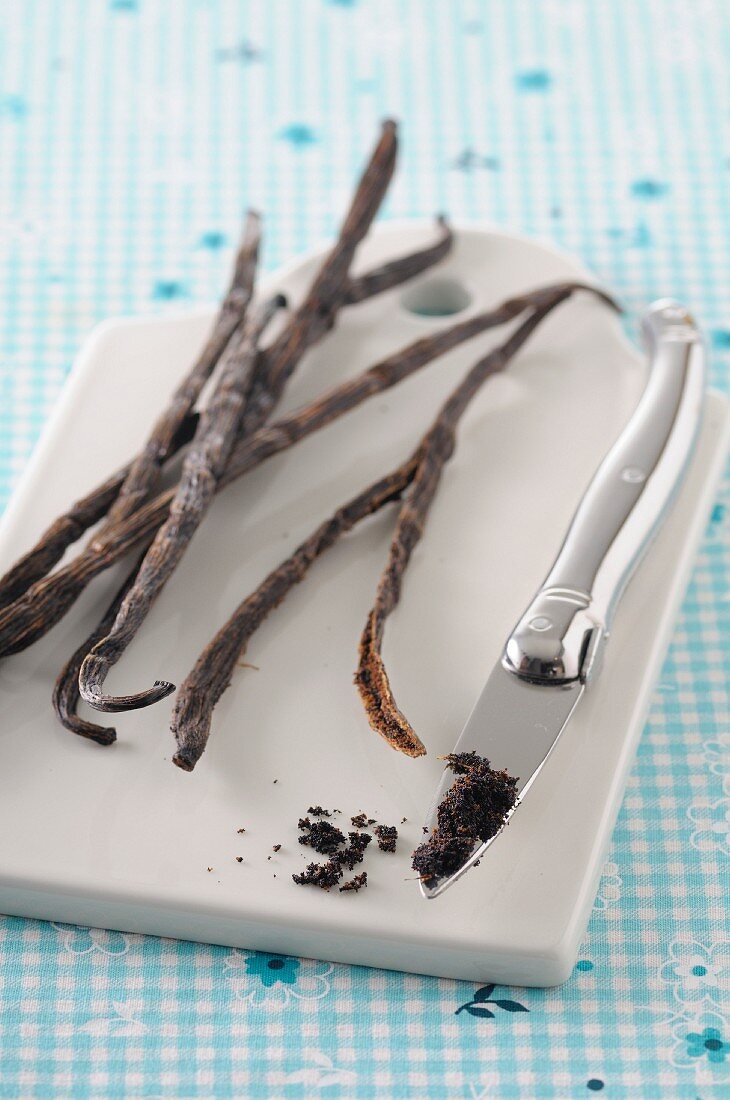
x: 717, y: 755
x: 83, y: 941
x: 122, y: 1024
x: 697, y: 973
x: 321, y: 1073
x: 258, y: 977
x: 712, y: 821
x: 609, y: 888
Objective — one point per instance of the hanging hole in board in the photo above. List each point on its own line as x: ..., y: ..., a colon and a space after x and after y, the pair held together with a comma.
x: 436, y: 298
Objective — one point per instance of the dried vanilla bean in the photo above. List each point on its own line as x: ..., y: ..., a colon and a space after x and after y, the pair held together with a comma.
x: 274, y: 366
x: 313, y: 317
x: 327, y: 294
x: 145, y: 469
x: 47, y: 601
x: 203, y: 687
x: 71, y: 525
x: 55, y: 540
x: 388, y: 372
x: 203, y: 466
x: 124, y: 491
x: 435, y: 451
x: 316, y: 315
x: 398, y: 271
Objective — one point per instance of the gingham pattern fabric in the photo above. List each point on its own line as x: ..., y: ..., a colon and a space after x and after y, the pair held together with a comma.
x: 132, y: 134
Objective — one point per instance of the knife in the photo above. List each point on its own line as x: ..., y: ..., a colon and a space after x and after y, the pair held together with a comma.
x: 554, y: 653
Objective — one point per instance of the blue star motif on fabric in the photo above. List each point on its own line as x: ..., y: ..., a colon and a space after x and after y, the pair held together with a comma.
x: 533, y: 80
x: 720, y: 338
x: 298, y: 134
x: 13, y: 106
x: 213, y: 240
x: 648, y: 189
x: 166, y: 289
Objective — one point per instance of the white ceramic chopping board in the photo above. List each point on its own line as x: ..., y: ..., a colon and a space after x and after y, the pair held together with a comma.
x: 121, y: 838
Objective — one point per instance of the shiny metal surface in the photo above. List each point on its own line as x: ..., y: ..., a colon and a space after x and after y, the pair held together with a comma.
x: 570, y: 616
x: 514, y: 725
x: 556, y: 647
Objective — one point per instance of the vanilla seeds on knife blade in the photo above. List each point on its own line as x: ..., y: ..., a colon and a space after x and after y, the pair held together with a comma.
x: 472, y: 811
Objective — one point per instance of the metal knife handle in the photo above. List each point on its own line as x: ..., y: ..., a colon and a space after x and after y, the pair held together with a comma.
x: 560, y: 637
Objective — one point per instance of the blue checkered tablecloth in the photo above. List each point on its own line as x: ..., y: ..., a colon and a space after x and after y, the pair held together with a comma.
x: 132, y: 133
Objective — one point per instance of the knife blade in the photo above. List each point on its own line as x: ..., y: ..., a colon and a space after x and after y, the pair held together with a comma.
x: 554, y: 653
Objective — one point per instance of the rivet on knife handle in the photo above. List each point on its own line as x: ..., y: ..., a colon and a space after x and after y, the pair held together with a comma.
x: 560, y: 637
